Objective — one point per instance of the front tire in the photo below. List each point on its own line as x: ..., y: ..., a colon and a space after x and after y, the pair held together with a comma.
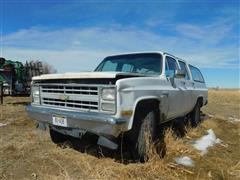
x: 146, y: 136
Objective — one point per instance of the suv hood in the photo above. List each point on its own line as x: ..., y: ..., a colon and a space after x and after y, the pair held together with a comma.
x: 87, y: 75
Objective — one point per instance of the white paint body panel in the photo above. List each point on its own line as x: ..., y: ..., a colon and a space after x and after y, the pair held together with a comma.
x: 82, y: 75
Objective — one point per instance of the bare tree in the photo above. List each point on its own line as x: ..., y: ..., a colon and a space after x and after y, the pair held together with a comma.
x: 36, y: 68
x: 48, y: 68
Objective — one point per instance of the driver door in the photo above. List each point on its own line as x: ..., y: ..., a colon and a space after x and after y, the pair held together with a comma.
x: 176, y: 89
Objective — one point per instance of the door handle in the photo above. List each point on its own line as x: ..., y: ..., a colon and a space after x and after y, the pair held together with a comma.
x: 193, y: 85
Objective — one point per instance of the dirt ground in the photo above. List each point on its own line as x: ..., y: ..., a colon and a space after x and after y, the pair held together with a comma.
x: 28, y: 153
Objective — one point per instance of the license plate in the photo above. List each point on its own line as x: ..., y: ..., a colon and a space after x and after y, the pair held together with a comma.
x: 59, y: 120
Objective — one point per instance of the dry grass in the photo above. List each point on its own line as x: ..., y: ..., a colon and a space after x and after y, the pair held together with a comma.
x: 224, y: 103
x: 28, y: 153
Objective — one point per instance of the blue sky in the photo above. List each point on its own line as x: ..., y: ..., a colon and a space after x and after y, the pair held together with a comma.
x: 77, y: 35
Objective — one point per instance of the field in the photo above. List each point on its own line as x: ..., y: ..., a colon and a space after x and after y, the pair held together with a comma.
x: 28, y: 153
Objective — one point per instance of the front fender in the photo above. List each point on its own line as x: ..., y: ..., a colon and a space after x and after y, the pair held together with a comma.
x: 138, y: 100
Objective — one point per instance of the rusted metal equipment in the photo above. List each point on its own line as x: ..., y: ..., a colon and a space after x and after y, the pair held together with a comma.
x: 16, y: 77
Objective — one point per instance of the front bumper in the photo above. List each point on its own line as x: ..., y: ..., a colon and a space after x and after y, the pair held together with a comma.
x: 100, y: 124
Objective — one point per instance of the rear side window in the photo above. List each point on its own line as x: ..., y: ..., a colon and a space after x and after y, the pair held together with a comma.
x: 196, y: 74
x: 171, y: 66
x: 184, y: 67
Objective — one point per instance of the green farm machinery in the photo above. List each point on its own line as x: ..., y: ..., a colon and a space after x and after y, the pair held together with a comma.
x: 16, y: 76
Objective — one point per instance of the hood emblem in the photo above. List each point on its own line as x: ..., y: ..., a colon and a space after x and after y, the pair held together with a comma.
x: 64, y: 97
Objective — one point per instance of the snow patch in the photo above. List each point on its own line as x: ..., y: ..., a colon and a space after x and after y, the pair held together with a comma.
x: 185, y: 160
x: 206, y: 141
x: 210, y: 115
x: 2, y: 124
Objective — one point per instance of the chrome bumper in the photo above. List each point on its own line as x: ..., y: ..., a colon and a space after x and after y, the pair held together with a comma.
x: 100, y: 124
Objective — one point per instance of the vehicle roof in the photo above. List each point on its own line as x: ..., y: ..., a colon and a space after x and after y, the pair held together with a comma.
x: 137, y: 52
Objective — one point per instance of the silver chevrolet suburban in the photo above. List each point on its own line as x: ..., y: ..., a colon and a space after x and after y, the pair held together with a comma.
x: 127, y: 93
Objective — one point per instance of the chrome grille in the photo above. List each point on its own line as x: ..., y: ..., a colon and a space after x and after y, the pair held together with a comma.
x: 81, y: 97
x: 70, y: 89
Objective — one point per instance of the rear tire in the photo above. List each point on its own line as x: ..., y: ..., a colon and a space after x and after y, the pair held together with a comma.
x: 57, y: 137
x: 195, y: 115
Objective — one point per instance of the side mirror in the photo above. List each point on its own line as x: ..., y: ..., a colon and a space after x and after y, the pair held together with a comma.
x: 180, y: 73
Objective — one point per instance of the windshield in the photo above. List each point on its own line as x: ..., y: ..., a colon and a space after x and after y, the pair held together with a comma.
x: 145, y: 63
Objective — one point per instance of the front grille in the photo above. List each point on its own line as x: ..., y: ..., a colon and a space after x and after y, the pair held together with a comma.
x: 80, y: 97
x: 70, y: 89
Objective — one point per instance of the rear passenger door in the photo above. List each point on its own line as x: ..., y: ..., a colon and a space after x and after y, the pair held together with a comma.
x: 200, y: 89
x: 189, y: 85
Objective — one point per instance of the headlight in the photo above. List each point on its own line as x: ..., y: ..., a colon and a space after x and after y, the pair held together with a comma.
x: 108, y: 94
x: 108, y: 107
x: 36, y: 94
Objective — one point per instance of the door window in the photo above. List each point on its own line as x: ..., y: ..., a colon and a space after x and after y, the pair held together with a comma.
x: 171, y: 67
x: 184, y: 68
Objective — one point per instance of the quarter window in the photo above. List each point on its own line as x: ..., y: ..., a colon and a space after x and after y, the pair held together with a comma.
x: 171, y: 67
x: 196, y: 74
x: 184, y: 68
